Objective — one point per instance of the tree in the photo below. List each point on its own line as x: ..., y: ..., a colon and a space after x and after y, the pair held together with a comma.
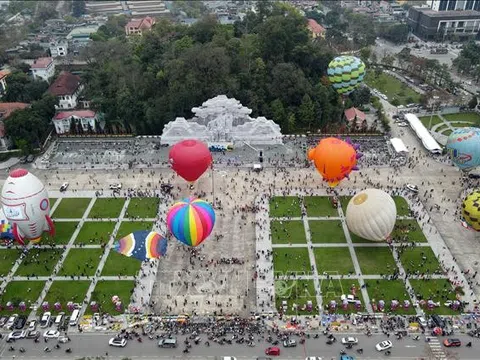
x: 360, y: 96
x: 365, y: 54
x: 397, y: 33
x: 306, y: 111
x: 472, y: 104
x: 279, y: 114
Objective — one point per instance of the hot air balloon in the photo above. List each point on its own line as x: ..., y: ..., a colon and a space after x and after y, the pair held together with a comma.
x: 464, y: 147
x: 26, y: 206
x: 190, y: 159
x: 371, y: 214
x: 471, y: 210
x: 191, y: 220
x: 142, y: 245
x: 334, y: 159
x: 346, y: 73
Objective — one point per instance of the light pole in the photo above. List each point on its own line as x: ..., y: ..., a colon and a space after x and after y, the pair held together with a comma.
x: 213, y: 185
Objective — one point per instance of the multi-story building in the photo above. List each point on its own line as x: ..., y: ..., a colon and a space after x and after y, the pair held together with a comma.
x: 139, y: 26
x: 80, y: 120
x: 66, y: 88
x: 3, y: 81
x: 446, y: 19
x: 58, y: 48
x: 6, y: 109
x: 43, y: 68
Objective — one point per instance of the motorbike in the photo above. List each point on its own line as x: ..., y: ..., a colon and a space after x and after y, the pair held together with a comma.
x: 251, y: 344
x: 316, y: 336
x: 349, y: 346
x: 139, y: 339
x: 47, y: 349
x: 57, y: 346
x: 11, y: 348
x: 329, y: 342
x: 388, y: 352
x: 416, y: 338
x: 360, y: 351
x: 36, y: 340
x: 68, y: 350
x: 469, y: 344
x: 22, y: 350
x: 207, y: 343
x: 186, y: 351
x: 343, y: 352
x: 302, y: 341
x: 275, y: 342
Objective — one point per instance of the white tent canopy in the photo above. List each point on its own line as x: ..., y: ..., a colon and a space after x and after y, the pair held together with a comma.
x: 423, y: 134
x: 398, y: 145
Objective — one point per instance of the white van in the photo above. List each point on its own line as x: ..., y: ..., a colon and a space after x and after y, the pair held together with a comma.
x: 59, y: 319
x: 74, y: 317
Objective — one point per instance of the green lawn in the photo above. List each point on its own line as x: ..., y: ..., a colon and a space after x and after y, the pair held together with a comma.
x: 334, y: 289
x: 392, y: 87
x: 8, y: 258
x: 468, y: 116
x: 143, y: 208
x: 81, y: 262
x: 284, y: 206
x: 407, y: 230
x: 402, y: 206
x: 39, y: 262
x: 128, y: 227
x: 419, y: 259
x: 441, y: 129
x: 118, y: 264
x: 63, y: 232
x: 105, y: 290
x: 17, y: 291
x: 463, y: 124
x: 376, y: 260
x: 290, y: 260
x: 95, y: 232
x: 106, y: 208
x: 326, y: 231
x: 52, y: 201
x: 388, y: 290
x: 358, y: 240
x: 71, y: 208
x: 344, y: 200
x: 295, y: 292
x: 426, y: 121
x: 438, y: 290
x: 319, y: 206
x: 447, y: 132
x: 65, y: 291
x: 335, y: 261
x: 285, y: 232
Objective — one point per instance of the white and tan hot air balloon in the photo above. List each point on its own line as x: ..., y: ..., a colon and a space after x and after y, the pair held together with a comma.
x: 371, y: 214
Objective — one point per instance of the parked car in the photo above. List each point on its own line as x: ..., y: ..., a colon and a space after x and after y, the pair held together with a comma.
x: 33, y: 334
x: 45, y: 320
x: 474, y: 176
x: 32, y: 325
x: 349, y: 340
x: 16, y: 335
x: 452, y: 342
x: 51, y: 334
x: 384, y: 345
x: 63, y: 339
x: 64, y: 187
x: 289, y: 343
x: 11, y: 321
x: 168, y: 343
x: 275, y: 351
x: 115, y: 186
x: 412, y: 188
x: 20, y: 322
x: 3, y: 320
x: 118, y: 342
x: 30, y: 158
x: 422, y: 321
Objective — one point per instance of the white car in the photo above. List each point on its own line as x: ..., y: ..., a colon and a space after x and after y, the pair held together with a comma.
x: 17, y: 334
x: 289, y: 343
x: 118, y: 342
x: 32, y: 325
x: 63, y: 339
x: 402, y: 124
x: 115, y: 186
x: 349, y: 340
x: 411, y: 187
x: 45, y: 320
x: 422, y: 321
x: 11, y: 321
x: 313, y: 358
x: 51, y: 334
x: 64, y: 187
x: 229, y: 358
x: 384, y: 345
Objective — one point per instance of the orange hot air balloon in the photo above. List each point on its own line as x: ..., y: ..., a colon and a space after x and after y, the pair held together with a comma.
x: 334, y: 159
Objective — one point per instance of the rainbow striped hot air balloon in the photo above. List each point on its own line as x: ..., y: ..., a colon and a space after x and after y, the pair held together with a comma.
x: 142, y: 245
x: 191, y: 220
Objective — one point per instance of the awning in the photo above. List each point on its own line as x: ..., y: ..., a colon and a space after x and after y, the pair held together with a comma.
x: 398, y: 145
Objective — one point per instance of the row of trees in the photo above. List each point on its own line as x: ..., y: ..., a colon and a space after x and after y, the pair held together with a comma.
x: 267, y: 61
x: 468, y: 61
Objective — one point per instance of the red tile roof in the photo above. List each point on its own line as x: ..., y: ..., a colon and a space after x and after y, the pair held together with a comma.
x: 41, y: 63
x: 315, y: 27
x: 78, y: 113
x: 6, y: 109
x: 4, y: 73
x: 352, y: 113
x: 145, y: 23
x: 65, y: 84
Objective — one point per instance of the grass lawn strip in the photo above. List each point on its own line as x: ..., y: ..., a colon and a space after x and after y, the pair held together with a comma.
x: 52, y: 201
x: 39, y: 262
x: 326, y: 231
x: 438, y: 290
x: 95, y: 232
x: 344, y: 200
x: 333, y: 289
x: 105, y: 290
x: 71, y: 208
x: 375, y: 260
x: 402, y: 206
x: 128, y: 227
x: 393, y: 88
x: 8, y: 257
x: 291, y: 260
x: 285, y: 206
x: 106, y: 208
x: 419, y: 260
x: 334, y: 261
x: 288, y: 232
x: 318, y: 206
x: 17, y: 291
x: 426, y: 121
x: 65, y: 291
x: 297, y: 292
x: 388, y: 290
x: 118, y: 264
x: 467, y: 117
x: 63, y: 233
x: 143, y: 208
x: 407, y: 230
x: 447, y: 132
x: 81, y: 262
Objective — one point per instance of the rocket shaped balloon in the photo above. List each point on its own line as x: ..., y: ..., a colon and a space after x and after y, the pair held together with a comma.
x: 26, y: 206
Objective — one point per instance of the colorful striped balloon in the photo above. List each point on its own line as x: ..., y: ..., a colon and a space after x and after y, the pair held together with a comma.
x: 191, y: 220
x: 142, y: 245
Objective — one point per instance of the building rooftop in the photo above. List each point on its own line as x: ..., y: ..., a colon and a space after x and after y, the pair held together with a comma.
x: 433, y: 13
x: 4, y: 73
x: 83, y: 31
x: 78, y: 113
x: 65, y: 84
x: 6, y: 109
x: 41, y: 63
x: 352, y: 113
x: 315, y: 27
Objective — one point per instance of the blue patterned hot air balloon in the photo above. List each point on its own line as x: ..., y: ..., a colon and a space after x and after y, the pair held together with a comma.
x: 142, y: 245
x: 346, y: 73
x: 463, y: 146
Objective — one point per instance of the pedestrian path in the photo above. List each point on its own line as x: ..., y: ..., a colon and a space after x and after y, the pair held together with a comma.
x: 436, y: 348
x: 326, y: 245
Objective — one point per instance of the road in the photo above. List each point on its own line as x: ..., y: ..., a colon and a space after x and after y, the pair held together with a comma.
x: 96, y: 345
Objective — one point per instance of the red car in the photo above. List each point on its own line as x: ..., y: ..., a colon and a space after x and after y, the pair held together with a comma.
x: 452, y: 342
x: 272, y: 351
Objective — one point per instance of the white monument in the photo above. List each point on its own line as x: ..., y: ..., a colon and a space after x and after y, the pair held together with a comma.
x: 223, y: 120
